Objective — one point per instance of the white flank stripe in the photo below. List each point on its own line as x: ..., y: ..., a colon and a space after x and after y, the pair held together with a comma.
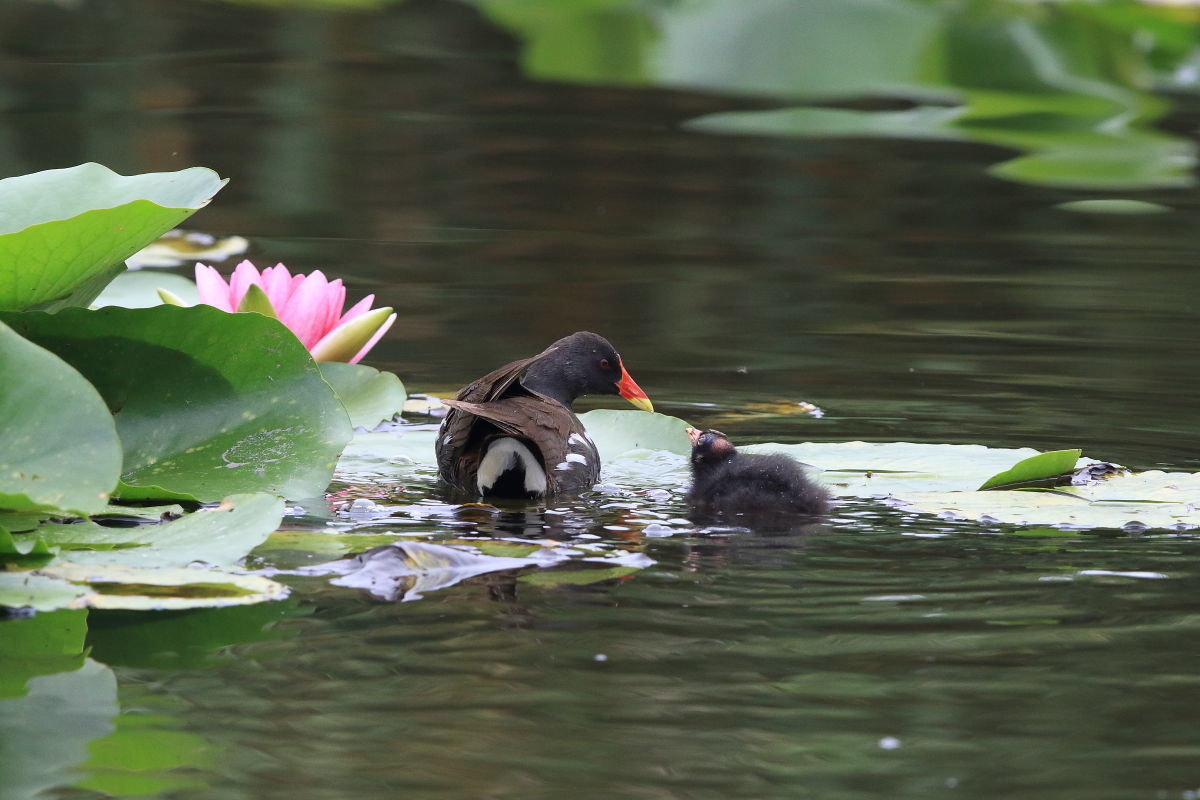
x: 578, y: 459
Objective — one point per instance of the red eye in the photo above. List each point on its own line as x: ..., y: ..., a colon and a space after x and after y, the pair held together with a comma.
x: 604, y: 363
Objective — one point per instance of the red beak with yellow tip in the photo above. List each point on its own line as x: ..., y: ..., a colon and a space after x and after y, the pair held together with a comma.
x: 628, y: 388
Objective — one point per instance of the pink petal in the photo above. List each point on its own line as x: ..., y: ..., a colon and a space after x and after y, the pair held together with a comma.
x: 371, y: 342
x: 277, y: 283
x: 244, y: 275
x: 212, y: 287
x: 337, y: 299
x: 305, y: 311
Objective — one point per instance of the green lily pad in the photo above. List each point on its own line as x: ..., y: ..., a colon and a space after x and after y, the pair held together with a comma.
x: 207, y: 403
x: 371, y: 455
x: 139, y: 289
x: 219, y: 536
x: 58, y: 445
x: 108, y: 586
x: 1043, y: 468
x: 18, y: 521
x: 880, y: 469
x: 28, y: 551
x: 1151, y: 499
x: 25, y: 589
x: 61, y: 227
x: 369, y: 395
x: 617, y: 432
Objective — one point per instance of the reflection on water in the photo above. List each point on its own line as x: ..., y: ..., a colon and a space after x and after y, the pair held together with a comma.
x: 503, y: 173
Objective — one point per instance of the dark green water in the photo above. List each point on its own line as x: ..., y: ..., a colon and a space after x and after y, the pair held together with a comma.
x: 502, y: 177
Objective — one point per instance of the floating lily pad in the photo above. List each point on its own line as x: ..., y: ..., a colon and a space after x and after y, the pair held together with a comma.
x: 207, y: 403
x: 139, y: 289
x: 220, y: 536
x: 141, y: 589
x: 26, y: 589
x: 879, y: 469
x: 616, y: 432
x: 28, y: 551
x: 63, y: 227
x: 58, y: 445
x: 1148, y: 499
x: 371, y: 455
x: 369, y: 395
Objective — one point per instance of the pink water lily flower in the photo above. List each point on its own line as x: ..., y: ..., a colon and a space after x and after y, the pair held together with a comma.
x: 309, y: 305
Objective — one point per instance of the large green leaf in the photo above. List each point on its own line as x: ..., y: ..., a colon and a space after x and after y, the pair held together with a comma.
x: 61, y: 227
x: 369, y: 395
x: 58, y: 445
x: 207, y: 403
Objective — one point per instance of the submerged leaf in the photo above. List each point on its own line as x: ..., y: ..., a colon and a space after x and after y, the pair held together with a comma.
x: 405, y: 570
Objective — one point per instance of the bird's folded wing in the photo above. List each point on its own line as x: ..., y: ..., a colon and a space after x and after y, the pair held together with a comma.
x: 543, y: 422
x: 497, y: 382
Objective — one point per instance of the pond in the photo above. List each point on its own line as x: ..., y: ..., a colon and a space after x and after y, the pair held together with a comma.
x: 885, y: 209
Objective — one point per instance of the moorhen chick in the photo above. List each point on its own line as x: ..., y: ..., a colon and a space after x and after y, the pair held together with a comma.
x: 749, y: 488
x: 512, y: 433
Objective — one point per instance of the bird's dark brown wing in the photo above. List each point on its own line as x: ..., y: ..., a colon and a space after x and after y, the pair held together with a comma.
x: 499, y: 382
x: 459, y: 445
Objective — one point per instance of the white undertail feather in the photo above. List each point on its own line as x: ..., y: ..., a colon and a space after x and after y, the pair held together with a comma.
x: 504, y: 454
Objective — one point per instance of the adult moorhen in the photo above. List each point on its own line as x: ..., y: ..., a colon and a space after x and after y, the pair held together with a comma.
x: 512, y: 433
x: 756, y: 489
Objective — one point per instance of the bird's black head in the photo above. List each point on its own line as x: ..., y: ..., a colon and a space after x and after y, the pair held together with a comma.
x: 710, y: 447
x: 583, y: 363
